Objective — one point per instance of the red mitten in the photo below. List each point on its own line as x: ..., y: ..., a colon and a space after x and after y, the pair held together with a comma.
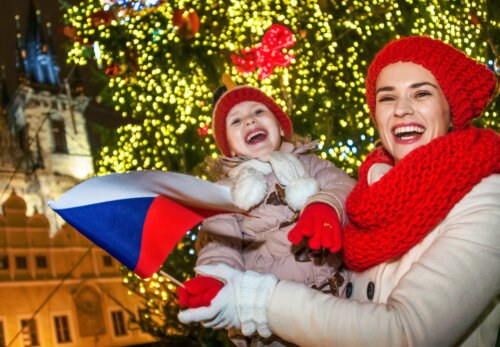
x: 321, y: 223
x: 199, y: 291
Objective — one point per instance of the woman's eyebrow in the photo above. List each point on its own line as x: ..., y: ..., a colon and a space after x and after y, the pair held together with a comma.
x: 384, y: 89
x: 414, y: 86
x: 420, y: 84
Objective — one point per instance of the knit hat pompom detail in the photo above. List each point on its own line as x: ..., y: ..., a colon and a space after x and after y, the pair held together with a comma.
x: 467, y: 85
x: 224, y: 100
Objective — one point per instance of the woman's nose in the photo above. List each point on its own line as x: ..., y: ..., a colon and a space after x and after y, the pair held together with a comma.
x: 403, y: 107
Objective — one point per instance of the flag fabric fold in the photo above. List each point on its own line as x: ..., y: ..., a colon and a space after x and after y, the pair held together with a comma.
x: 138, y: 217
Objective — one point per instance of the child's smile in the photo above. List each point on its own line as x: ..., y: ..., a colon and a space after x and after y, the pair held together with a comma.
x: 256, y: 136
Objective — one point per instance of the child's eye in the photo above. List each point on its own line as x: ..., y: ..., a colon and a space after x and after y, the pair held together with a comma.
x: 235, y: 121
x: 258, y: 111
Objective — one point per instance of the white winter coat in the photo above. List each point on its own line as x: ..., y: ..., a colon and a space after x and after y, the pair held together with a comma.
x: 443, y: 292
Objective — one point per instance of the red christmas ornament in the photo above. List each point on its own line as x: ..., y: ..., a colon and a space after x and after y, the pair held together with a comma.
x: 474, y: 19
x: 203, y: 130
x: 267, y: 54
x: 186, y: 22
x: 112, y: 70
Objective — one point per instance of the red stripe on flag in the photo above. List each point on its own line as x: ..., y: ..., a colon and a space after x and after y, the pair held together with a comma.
x: 166, y: 223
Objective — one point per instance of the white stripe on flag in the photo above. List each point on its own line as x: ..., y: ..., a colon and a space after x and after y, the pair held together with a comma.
x: 184, y: 189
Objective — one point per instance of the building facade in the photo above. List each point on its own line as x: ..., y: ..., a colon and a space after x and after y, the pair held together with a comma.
x: 60, y: 290
x: 56, y: 287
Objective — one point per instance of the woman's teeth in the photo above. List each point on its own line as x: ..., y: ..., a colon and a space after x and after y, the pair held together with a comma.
x: 408, y: 132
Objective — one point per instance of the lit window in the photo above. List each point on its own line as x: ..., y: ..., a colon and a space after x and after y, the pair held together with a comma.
x: 41, y: 262
x: 118, y: 323
x: 107, y: 260
x: 62, y: 329
x: 4, y: 262
x: 21, y: 262
x: 30, y: 336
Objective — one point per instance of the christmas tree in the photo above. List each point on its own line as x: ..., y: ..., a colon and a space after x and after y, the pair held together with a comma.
x: 163, y: 59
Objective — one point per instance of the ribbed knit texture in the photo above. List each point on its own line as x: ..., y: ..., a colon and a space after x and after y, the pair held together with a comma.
x: 393, y: 214
x: 466, y: 84
x: 235, y: 96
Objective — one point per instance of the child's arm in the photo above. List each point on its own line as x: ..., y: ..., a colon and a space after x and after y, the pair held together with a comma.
x: 334, y: 185
x: 220, y: 240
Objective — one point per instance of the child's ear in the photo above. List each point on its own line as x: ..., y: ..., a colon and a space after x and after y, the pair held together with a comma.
x: 282, y: 132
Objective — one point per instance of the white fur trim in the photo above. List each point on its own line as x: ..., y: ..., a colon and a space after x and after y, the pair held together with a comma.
x: 260, y: 166
x: 250, y: 188
x: 286, y: 167
x: 298, y: 191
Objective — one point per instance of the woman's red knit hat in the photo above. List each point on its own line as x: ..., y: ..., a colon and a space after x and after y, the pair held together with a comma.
x: 230, y: 95
x: 467, y: 85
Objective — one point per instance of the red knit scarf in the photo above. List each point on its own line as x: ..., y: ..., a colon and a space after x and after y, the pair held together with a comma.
x: 393, y: 214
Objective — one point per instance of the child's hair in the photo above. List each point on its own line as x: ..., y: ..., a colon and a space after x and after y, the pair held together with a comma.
x: 229, y: 95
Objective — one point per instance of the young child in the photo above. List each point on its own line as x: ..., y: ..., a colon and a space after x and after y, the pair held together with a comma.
x: 287, y: 192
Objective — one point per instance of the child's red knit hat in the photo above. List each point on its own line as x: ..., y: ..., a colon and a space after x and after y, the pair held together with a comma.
x: 467, y: 85
x: 228, y: 96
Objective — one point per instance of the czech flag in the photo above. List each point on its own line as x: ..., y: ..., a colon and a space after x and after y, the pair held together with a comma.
x: 138, y: 217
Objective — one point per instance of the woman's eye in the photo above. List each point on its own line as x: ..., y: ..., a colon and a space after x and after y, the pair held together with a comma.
x: 385, y: 98
x: 422, y: 93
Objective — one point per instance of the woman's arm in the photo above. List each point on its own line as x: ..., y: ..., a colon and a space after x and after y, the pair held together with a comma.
x: 434, y: 304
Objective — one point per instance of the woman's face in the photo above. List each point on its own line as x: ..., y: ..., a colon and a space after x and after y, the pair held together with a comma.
x: 410, y: 108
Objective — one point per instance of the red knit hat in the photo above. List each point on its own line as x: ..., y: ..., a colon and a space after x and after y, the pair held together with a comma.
x: 467, y: 85
x: 235, y: 95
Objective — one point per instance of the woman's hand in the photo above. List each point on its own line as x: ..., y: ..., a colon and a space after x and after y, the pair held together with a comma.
x: 321, y: 224
x: 241, y: 303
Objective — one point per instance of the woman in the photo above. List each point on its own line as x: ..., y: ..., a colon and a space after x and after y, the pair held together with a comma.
x: 424, y: 238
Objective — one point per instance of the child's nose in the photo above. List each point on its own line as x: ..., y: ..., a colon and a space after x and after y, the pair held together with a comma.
x: 249, y: 120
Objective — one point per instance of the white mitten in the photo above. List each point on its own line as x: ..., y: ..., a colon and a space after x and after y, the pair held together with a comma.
x: 241, y: 303
x: 250, y: 183
x: 291, y: 173
x: 223, y: 309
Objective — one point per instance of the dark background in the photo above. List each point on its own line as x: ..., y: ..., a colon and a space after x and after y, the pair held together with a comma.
x: 99, y: 117
x: 50, y: 12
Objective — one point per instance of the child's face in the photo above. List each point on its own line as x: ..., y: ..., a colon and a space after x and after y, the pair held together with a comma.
x: 252, y: 130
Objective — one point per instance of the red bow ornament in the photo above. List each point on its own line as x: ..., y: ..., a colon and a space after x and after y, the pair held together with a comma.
x: 267, y: 54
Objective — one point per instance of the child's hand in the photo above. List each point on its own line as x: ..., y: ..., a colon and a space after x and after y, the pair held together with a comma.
x: 320, y: 223
x: 198, y: 292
